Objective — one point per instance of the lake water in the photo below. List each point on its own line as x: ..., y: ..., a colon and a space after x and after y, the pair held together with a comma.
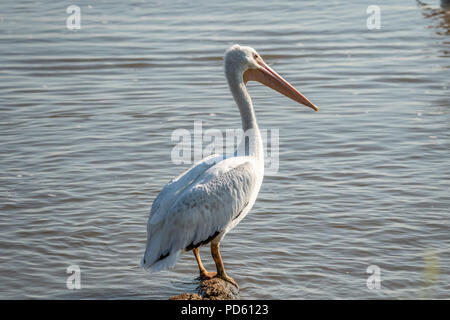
x: 85, y: 139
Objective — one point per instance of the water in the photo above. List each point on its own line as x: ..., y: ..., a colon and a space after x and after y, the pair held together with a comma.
x: 85, y: 138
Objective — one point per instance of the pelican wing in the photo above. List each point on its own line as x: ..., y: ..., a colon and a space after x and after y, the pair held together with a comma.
x: 176, y: 186
x: 199, y: 212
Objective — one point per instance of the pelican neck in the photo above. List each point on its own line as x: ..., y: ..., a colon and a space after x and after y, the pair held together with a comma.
x: 243, y: 100
x: 248, y: 118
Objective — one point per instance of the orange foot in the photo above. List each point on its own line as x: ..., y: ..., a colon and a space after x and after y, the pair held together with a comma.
x: 207, y: 275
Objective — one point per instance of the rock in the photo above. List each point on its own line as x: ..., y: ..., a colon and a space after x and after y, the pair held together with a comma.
x: 186, y: 296
x: 211, y: 289
x: 218, y: 289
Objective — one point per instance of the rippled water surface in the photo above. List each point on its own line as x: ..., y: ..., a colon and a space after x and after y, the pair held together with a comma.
x: 85, y: 141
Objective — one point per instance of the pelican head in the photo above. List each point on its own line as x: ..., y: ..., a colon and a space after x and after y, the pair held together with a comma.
x: 247, y: 64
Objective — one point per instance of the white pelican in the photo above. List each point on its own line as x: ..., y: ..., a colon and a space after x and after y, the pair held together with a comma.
x: 202, y: 204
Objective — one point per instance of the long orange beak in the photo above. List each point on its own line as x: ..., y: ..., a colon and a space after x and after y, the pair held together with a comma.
x: 267, y: 76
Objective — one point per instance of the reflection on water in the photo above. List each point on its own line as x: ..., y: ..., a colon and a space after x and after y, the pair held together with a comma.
x: 85, y: 137
x: 440, y: 16
x: 445, y: 4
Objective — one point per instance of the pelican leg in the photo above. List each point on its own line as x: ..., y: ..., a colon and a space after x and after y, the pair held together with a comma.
x: 219, y: 264
x: 201, y: 268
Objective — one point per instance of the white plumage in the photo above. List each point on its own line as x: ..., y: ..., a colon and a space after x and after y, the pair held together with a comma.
x: 196, y: 205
